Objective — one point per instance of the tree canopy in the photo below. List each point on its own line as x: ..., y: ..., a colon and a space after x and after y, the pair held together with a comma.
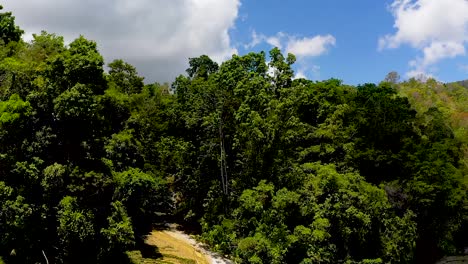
x: 267, y: 168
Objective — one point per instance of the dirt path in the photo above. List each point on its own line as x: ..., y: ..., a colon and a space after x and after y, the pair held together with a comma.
x: 454, y: 260
x: 173, y: 246
x: 170, y: 246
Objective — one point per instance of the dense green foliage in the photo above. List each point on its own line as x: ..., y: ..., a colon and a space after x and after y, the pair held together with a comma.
x: 270, y: 169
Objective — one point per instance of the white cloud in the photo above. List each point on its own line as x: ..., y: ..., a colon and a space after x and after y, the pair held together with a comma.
x: 432, y: 54
x: 157, y: 36
x: 275, y: 41
x: 257, y: 39
x: 300, y: 74
x: 438, y: 28
x: 308, y: 71
x: 310, y: 47
x: 440, y: 50
x: 300, y: 47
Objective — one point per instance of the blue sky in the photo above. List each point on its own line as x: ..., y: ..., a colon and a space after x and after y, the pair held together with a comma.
x: 357, y: 41
x: 357, y: 27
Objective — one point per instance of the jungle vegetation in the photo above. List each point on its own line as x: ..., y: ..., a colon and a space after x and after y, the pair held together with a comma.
x: 267, y: 168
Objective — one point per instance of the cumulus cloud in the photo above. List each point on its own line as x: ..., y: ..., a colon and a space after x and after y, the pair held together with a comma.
x: 439, y: 29
x: 304, y: 72
x: 310, y: 47
x: 300, y: 74
x: 157, y: 36
x: 437, y: 51
x: 275, y: 41
x: 303, y: 48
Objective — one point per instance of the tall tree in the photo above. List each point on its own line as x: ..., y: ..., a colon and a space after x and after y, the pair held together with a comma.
x: 8, y: 30
x: 125, y: 77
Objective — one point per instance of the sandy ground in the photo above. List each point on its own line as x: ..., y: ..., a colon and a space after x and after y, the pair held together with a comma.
x: 177, y: 243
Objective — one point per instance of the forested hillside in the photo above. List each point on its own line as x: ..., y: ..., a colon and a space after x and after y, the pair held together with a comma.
x: 269, y: 169
x: 450, y: 101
